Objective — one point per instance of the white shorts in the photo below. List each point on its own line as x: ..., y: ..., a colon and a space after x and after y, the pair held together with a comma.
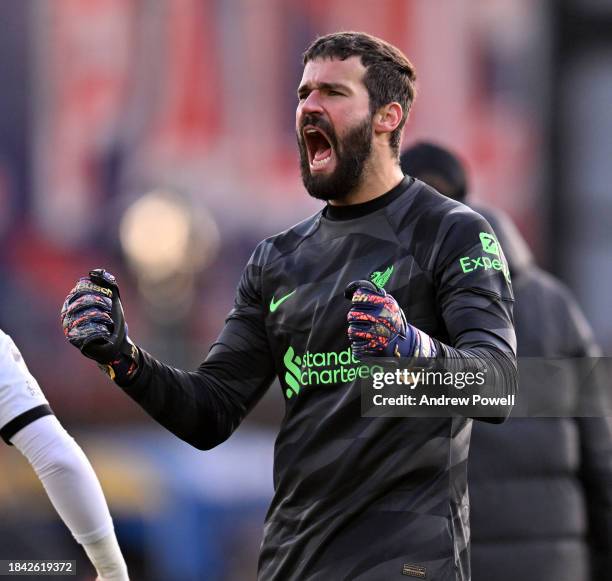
x: 19, y: 391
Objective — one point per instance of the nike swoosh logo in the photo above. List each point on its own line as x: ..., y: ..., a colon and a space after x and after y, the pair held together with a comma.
x: 275, y: 304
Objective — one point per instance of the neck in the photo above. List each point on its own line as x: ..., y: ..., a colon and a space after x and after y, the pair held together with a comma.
x: 379, y: 176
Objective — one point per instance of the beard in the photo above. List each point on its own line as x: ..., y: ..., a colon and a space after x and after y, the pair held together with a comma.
x: 352, y: 152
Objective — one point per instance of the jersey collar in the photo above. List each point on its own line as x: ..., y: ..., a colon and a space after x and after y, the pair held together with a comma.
x: 338, y: 213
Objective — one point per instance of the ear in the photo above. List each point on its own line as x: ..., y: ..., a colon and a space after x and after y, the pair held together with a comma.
x: 387, y: 118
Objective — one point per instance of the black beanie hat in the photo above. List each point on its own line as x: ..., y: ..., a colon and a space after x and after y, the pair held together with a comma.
x: 427, y: 160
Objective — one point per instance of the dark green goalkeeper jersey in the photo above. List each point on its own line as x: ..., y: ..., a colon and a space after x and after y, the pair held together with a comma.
x: 354, y: 497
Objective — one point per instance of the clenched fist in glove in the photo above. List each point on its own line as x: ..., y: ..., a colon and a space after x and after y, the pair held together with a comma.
x: 92, y: 319
x: 377, y: 325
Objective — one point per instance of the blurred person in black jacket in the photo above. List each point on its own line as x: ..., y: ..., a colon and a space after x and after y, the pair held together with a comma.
x: 540, y: 488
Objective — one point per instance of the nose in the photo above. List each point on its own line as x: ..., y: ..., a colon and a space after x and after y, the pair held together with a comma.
x: 312, y: 103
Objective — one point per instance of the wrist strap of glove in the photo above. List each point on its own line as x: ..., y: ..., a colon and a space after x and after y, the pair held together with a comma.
x: 416, y: 343
x: 124, y: 368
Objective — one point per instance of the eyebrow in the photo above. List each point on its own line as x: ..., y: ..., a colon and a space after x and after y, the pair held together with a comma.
x: 324, y: 86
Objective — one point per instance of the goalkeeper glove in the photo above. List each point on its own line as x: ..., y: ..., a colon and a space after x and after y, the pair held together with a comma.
x: 93, y: 321
x: 377, y: 325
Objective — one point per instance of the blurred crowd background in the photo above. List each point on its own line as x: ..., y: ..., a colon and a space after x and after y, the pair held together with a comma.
x: 156, y: 138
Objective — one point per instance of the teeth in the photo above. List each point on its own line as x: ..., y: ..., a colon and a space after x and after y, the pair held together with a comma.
x: 321, y: 162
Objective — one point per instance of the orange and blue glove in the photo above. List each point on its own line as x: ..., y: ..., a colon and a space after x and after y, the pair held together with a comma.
x: 377, y: 325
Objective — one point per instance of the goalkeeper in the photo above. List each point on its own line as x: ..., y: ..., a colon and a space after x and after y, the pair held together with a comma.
x: 355, y: 497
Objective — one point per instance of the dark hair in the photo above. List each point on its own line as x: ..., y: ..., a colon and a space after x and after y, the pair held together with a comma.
x: 389, y: 75
x: 436, y: 166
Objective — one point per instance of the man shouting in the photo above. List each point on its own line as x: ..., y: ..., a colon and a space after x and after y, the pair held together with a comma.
x: 377, y: 272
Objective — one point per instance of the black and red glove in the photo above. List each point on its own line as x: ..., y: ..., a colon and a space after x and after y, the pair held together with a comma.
x: 93, y: 321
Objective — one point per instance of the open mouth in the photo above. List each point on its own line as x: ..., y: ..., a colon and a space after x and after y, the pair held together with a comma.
x: 320, y: 150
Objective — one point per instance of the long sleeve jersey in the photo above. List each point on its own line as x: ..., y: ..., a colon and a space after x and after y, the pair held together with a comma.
x: 354, y: 497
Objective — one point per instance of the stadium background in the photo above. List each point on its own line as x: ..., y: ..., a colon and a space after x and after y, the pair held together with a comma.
x: 157, y: 138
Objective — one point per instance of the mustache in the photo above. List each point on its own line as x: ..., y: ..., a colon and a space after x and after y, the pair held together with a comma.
x: 321, y: 123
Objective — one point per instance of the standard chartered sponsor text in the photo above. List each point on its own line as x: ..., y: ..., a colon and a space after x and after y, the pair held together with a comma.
x: 323, y: 368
